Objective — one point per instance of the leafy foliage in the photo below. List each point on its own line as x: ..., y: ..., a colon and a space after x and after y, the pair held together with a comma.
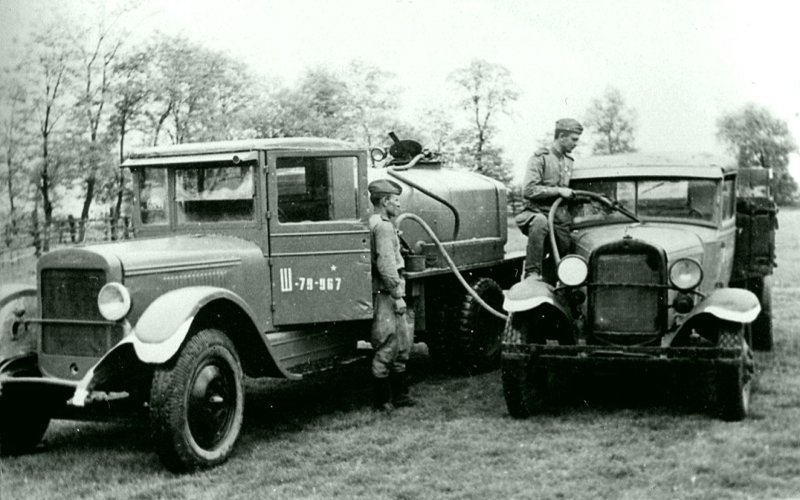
x: 612, y: 123
x: 485, y: 90
x: 757, y: 138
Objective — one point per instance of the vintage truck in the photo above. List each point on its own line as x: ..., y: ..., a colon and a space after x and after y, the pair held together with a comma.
x: 669, y: 271
x: 250, y: 258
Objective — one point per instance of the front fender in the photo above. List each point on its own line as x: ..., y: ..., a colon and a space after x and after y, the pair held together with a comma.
x: 18, y: 302
x: 727, y: 304
x: 164, y: 325
x: 530, y: 294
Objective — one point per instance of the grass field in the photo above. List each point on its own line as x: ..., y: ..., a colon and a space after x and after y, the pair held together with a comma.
x: 611, y: 437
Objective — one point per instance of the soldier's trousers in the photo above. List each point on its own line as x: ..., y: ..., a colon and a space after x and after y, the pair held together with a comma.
x: 538, y: 238
x: 390, y: 339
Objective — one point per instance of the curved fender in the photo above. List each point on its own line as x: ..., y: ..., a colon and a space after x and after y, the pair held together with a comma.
x: 163, y: 327
x: 728, y: 304
x: 13, y: 291
x: 21, y: 341
x: 531, y: 294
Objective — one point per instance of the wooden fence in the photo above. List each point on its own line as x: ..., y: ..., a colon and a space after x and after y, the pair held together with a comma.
x: 25, y: 237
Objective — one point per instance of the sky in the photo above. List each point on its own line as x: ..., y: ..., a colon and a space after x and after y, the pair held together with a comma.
x: 679, y: 64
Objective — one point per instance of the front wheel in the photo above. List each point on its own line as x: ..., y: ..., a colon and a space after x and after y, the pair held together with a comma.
x: 734, y: 383
x: 524, y: 383
x: 22, y: 424
x: 197, y: 403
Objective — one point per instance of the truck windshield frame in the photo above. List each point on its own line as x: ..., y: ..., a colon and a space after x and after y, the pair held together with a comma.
x: 196, y: 194
x: 688, y: 200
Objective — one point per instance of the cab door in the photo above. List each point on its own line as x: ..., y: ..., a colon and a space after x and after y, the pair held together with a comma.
x: 319, y: 240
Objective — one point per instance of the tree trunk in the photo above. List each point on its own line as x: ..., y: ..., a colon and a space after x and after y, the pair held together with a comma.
x: 87, y: 203
x: 47, y: 204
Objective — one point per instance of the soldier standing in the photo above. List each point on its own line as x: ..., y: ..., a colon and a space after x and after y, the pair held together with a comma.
x: 546, y: 178
x: 390, y: 337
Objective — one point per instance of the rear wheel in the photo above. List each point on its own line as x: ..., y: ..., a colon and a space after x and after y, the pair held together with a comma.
x: 197, y: 403
x: 468, y: 338
x: 762, y: 326
x: 524, y: 383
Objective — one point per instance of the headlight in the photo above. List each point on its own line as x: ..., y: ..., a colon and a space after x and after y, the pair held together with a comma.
x: 114, y: 301
x: 572, y: 270
x: 685, y: 274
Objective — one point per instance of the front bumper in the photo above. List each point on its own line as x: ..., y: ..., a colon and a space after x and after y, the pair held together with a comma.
x: 585, y: 355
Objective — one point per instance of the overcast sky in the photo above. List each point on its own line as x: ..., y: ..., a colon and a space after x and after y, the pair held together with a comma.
x: 680, y: 64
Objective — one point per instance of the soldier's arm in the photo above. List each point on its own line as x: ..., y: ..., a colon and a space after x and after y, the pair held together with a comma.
x: 532, y: 187
x: 387, y: 266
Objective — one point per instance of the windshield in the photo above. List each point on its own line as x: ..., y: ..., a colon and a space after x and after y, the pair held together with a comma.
x: 153, y: 201
x: 690, y: 199
x: 215, y: 194
x: 203, y: 193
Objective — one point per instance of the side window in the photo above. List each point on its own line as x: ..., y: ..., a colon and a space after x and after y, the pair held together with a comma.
x: 728, y: 199
x: 222, y: 194
x: 316, y: 188
x: 153, y: 197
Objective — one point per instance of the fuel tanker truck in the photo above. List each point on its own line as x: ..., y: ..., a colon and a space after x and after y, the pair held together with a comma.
x: 250, y: 258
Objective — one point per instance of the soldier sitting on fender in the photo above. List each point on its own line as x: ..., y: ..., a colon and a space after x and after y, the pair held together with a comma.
x: 390, y: 336
x: 546, y: 178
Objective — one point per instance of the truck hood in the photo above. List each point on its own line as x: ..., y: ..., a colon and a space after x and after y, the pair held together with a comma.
x: 177, y: 253
x: 676, y: 240
x: 159, y: 255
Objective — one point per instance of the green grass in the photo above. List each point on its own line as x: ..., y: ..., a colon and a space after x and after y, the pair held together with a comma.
x: 613, y: 436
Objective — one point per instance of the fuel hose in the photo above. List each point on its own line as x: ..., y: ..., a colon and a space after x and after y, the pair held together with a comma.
x: 450, y: 263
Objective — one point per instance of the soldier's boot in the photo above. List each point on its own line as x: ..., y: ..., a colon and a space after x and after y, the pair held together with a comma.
x: 382, y: 394
x: 400, y: 395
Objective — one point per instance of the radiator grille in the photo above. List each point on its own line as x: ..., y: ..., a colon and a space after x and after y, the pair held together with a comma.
x: 71, y: 294
x: 623, y: 301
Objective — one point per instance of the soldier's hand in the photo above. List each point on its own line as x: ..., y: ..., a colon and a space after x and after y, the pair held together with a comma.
x: 399, y: 306
x: 565, y: 192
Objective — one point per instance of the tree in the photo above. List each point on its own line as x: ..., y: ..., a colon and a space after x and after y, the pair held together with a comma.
x: 373, y: 102
x: 131, y: 91
x: 51, y: 71
x: 197, y: 93
x: 611, y: 122
x: 14, y: 136
x: 97, y: 73
x: 757, y: 138
x: 486, y: 90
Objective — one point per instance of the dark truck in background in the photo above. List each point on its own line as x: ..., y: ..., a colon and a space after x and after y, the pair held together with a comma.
x: 670, y: 272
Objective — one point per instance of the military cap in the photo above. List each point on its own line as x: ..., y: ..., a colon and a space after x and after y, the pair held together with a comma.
x: 384, y: 186
x: 569, y: 125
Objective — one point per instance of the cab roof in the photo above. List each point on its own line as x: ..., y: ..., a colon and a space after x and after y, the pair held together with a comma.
x: 699, y: 165
x: 225, y: 148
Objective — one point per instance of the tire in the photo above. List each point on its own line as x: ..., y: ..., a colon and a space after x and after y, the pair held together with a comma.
x: 762, y: 326
x: 22, y: 425
x: 468, y: 339
x: 524, y: 383
x: 23, y: 418
x: 197, y: 403
x: 733, y: 384
x: 479, y: 335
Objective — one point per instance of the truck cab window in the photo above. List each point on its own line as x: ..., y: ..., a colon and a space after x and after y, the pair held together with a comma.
x: 316, y: 188
x: 153, y: 198
x: 220, y: 194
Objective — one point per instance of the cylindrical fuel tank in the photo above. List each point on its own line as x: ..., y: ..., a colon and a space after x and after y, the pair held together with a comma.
x: 479, y: 205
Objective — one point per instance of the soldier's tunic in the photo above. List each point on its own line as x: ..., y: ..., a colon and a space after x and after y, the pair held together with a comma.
x: 547, y: 170
x: 390, y: 337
